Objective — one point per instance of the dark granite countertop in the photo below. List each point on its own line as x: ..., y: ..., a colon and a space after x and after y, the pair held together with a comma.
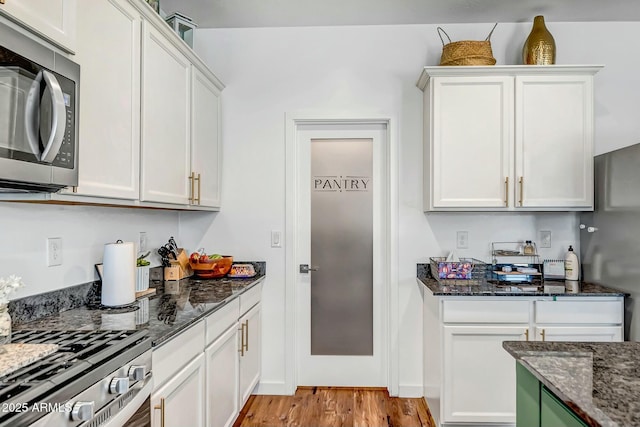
x: 488, y: 288
x: 600, y: 382
x: 175, y: 306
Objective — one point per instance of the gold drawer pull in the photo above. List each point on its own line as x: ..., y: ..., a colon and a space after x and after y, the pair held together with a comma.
x: 241, y: 351
x: 191, y: 179
x: 506, y: 191
x: 521, y: 190
x: 161, y: 407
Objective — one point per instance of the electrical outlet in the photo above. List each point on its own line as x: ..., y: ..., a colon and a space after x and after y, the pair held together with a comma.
x: 545, y: 239
x: 143, y: 241
x: 54, y: 251
x: 462, y: 239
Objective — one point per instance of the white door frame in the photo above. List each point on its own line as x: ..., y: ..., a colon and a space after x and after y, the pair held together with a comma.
x: 390, y: 280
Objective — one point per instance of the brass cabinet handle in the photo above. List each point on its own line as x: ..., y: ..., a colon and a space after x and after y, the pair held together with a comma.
x: 191, y: 179
x: 161, y: 407
x: 246, y: 341
x: 526, y: 334
x: 1, y: 1
x: 241, y: 351
x: 521, y: 189
x: 542, y: 334
x: 506, y: 191
x: 197, y: 199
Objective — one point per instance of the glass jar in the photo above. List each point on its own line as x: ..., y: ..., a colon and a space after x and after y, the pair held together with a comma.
x: 5, y: 325
x: 528, y: 248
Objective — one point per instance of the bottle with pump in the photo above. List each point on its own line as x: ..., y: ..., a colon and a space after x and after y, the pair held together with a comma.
x: 528, y: 248
x: 571, y: 265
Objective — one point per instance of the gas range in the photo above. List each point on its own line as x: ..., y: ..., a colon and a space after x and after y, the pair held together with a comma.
x: 95, y: 378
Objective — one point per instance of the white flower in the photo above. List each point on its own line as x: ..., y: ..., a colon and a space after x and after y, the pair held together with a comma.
x: 7, y: 286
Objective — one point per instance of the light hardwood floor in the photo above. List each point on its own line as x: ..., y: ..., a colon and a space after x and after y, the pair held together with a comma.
x: 335, y: 407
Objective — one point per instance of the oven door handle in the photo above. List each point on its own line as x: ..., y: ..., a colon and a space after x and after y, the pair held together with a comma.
x: 127, y: 412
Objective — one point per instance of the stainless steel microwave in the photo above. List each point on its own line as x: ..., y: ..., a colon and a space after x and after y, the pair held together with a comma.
x: 38, y: 115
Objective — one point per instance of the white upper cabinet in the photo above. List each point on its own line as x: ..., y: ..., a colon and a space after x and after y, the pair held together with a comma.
x: 166, y: 127
x: 53, y: 20
x: 206, y: 155
x: 508, y: 138
x: 109, y: 99
x: 472, y: 141
x: 554, y: 141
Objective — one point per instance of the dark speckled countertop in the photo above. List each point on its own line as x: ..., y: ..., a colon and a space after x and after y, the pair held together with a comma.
x: 486, y: 288
x: 600, y: 382
x: 175, y: 306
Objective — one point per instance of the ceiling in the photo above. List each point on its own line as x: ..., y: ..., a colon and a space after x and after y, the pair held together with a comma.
x: 291, y: 13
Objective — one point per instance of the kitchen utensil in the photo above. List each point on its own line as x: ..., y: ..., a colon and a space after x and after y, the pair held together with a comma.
x: 173, y: 244
x: 164, y: 253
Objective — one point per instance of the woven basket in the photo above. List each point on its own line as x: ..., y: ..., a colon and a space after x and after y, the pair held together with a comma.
x: 466, y: 52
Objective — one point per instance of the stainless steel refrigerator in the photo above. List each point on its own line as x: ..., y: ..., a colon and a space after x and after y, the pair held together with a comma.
x: 610, y: 236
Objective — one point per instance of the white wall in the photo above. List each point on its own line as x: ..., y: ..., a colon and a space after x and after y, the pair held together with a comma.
x: 374, y: 69
x: 24, y: 229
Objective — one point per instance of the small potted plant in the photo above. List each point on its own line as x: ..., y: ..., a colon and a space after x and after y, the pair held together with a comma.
x: 142, y: 273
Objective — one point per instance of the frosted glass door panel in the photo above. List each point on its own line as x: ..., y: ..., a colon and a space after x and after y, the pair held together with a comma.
x: 342, y: 247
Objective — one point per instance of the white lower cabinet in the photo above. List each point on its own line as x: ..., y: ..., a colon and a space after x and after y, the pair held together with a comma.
x: 222, y: 379
x: 180, y: 402
x: 579, y: 333
x: 205, y: 374
x: 477, y: 379
x: 250, y: 352
x: 479, y: 375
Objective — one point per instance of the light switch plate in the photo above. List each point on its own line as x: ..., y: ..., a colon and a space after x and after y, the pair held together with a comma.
x: 276, y: 239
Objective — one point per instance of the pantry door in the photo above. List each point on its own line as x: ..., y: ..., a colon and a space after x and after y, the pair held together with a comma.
x: 342, y: 205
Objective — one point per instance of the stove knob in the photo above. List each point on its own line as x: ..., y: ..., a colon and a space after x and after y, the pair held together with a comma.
x: 119, y: 385
x: 137, y: 372
x: 82, y: 411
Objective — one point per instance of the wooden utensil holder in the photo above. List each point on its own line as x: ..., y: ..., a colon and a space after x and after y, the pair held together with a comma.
x: 179, y: 269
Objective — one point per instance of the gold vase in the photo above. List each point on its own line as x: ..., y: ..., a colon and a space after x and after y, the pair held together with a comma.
x: 540, y: 47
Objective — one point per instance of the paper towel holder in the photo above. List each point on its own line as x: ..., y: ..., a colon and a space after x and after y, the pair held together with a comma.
x: 99, y: 269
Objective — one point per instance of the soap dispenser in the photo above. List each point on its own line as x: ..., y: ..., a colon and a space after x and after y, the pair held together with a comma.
x: 571, y: 265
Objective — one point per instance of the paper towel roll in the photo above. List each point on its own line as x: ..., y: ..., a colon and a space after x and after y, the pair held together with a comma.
x: 118, y: 278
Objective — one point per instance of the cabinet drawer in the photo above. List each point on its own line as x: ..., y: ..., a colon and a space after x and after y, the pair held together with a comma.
x: 220, y: 321
x: 250, y: 298
x: 579, y: 312
x: 171, y: 356
x: 509, y: 311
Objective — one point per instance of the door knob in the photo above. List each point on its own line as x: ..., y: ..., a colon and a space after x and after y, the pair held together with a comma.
x: 304, y: 268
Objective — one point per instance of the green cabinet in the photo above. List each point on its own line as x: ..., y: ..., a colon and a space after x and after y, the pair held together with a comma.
x: 555, y: 413
x: 527, y: 398
x: 536, y: 406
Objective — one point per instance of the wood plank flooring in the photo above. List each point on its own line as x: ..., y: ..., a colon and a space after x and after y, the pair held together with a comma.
x: 335, y: 407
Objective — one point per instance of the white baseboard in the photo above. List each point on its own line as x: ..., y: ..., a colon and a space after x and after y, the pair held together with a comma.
x: 272, y: 387
x: 410, y: 390
x: 432, y: 391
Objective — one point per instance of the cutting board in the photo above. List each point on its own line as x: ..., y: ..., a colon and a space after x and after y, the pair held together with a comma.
x: 15, y: 356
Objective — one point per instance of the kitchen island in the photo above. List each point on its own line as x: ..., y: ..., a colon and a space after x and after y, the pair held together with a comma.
x: 468, y: 377
x: 577, y: 384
